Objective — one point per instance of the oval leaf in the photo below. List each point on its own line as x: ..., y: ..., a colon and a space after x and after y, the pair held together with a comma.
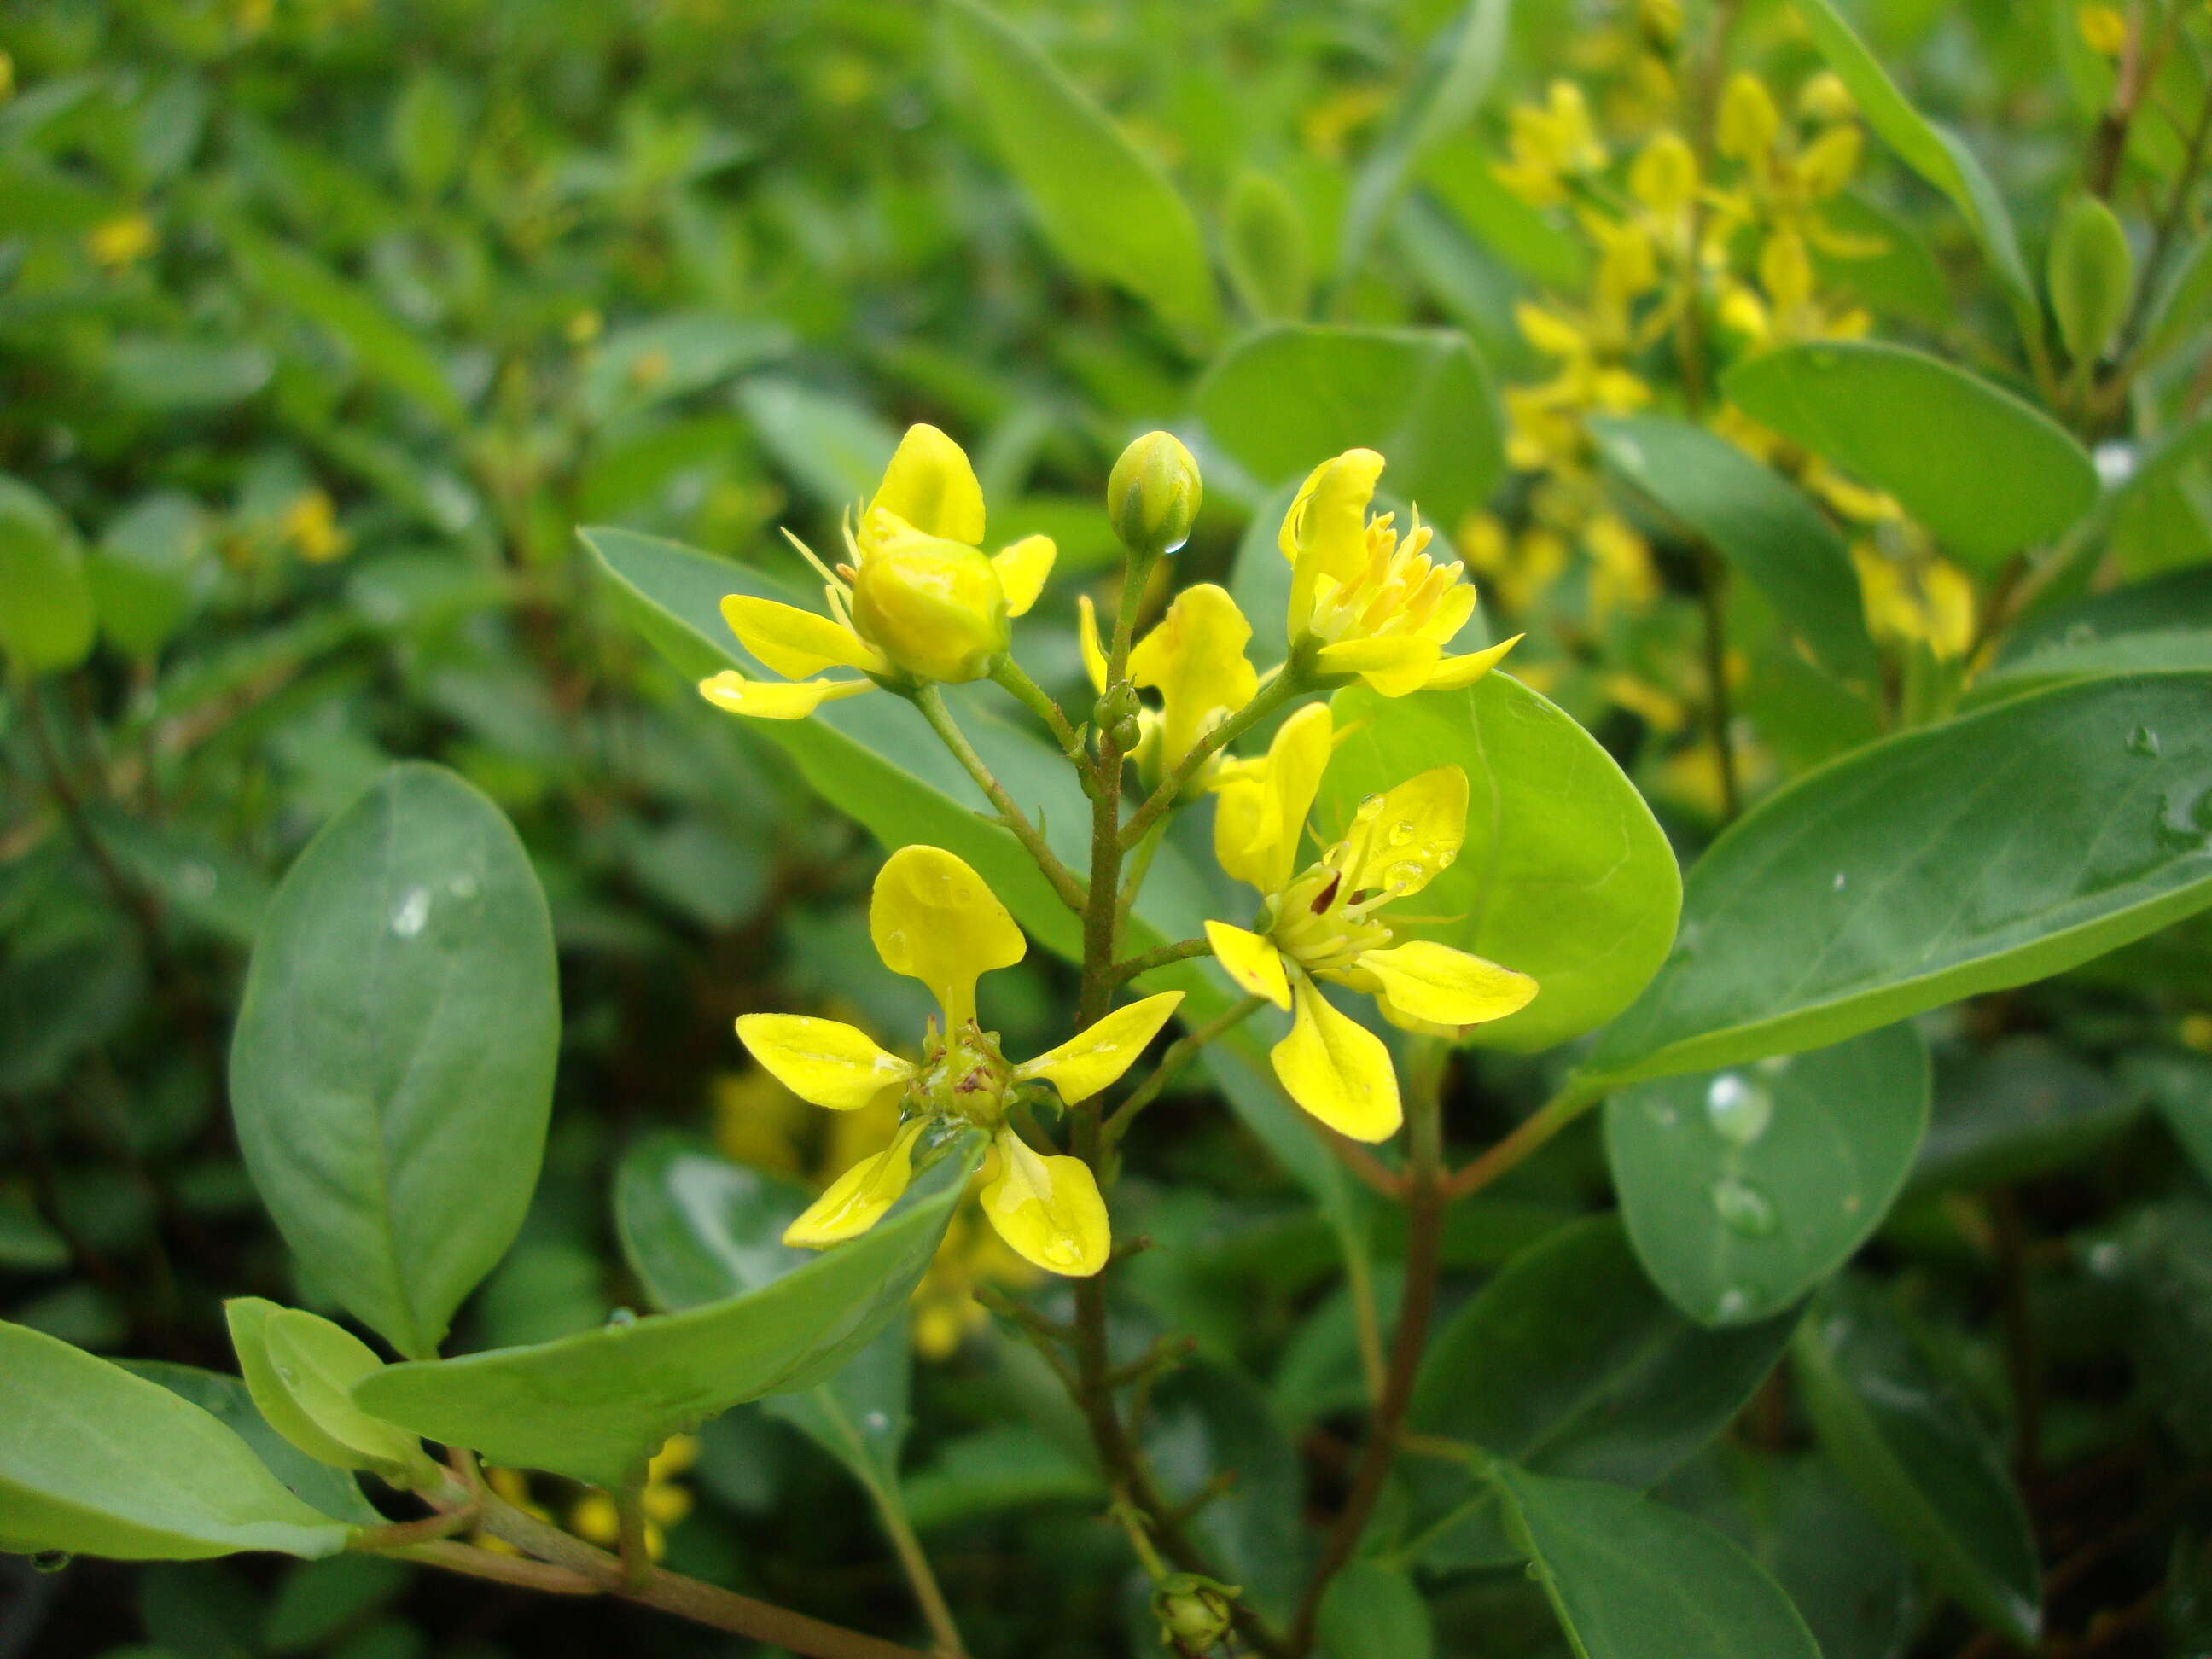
x: 1743, y: 1189
x: 95, y: 1461
x: 1918, y: 1457
x: 1985, y: 472
x: 1999, y: 849
x: 595, y: 1405
x: 47, y: 622
x: 393, y: 1068
x: 1565, y: 874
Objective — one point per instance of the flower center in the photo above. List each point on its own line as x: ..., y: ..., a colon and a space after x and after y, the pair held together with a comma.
x: 965, y: 1076
x: 1398, y: 588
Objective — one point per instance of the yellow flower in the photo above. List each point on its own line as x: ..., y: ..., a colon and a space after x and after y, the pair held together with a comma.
x: 1824, y: 97
x: 1550, y: 143
x: 123, y: 240
x: 1320, y: 923
x: 595, y: 1519
x: 310, y: 525
x: 933, y: 919
x: 2104, y: 30
x: 945, y: 1306
x: 1195, y: 659
x: 919, y: 601
x: 1748, y: 122
x: 1365, y: 603
x: 1931, y: 603
x: 1621, y: 573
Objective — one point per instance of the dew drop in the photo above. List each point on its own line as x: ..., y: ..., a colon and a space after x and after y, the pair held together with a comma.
x: 623, y: 1316
x: 51, y: 1560
x: 1446, y: 857
x: 1403, y: 831
x: 197, y: 880
x: 412, y: 911
x: 1663, y: 1114
x: 463, y: 886
x: 1404, y: 876
x: 2080, y: 634
x: 2143, y: 741
x: 1742, y: 1207
x: 876, y: 1422
x: 1838, y: 882
x: 1738, y: 1108
x: 1733, y: 1303
x: 1369, y: 806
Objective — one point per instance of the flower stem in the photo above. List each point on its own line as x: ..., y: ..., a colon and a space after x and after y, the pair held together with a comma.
x: 1009, y: 674
x: 1179, y: 1054
x: 1181, y: 951
x: 1272, y: 697
x: 931, y: 702
x: 929, y: 1595
x: 1576, y: 1098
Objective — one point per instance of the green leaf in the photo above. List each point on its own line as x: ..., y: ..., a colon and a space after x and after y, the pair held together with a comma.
x: 2091, y: 277
x: 1999, y: 849
x: 595, y: 1405
x: 697, y: 1228
x: 2022, y: 1108
x: 151, y: 568
x: 1570, y: 1362
x: 1373, y: 1611
x: 1743, y: 1189
x: 1565, y: 875
x: 97, y: 1462
x: 428, y: 131
x: 835, y: 449
x: 1918, y: 1457
x: 2184, y: 305
x: 392, y: 1066
x: 1421, y: 397
x: 47, y: 622
x: 335, y: 1493
x: 1630, y: 1578
x: 382, y: 347
x: 1766, y: 527
x: 1936, y: 153
x: 2153, y: 626
x: 300, y: 1370
x: 1263, y: 248
x: 159, y: 373
x: 1986, y: 473
x: 1106, y: 207
x: 1454, y: 77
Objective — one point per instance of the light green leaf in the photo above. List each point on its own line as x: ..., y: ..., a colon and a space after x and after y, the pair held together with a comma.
x: 595, y: 1405
x: 1918, y: 1457
x: 300, y: 1370
x: 162, y: 373
x: 1630, y: 1578
x: 428, y: 129
x: 835, y: 449
x: 392, y: 1066
x: 1282, y: 400
x: 1263, y: 248
x: 151, y: 568
x: 1107, y: 207
x: 1742, y: 1189
x: 47, y: 621
x: 1986, y: 473
x: 1766, y: 527
x: 2001, y: 847
x: 335, y: 1493
x: 2091, y: 276
x: 95, y: 1461
x: 1565, y: 875
x: 1373, y: 1611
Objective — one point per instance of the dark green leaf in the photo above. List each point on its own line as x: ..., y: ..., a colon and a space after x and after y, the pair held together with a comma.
x: 1374, y: 1612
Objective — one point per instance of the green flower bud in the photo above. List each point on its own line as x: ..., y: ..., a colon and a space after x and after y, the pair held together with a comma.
x: 1153, y: 494
x: 1118, y: 703
x: 935, y: 608
x: 1193, y: 1611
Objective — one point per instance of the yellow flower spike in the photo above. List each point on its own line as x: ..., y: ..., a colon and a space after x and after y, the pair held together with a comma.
x: 796, y: 643
x: 934, y: 606
x: 2103, y: 29
x: 1664, y: 177
x: 1337, y: 1069
x: 856, y: 1200
x: 931, y: 485
x: 933, y: 919
x: 775, y: 700
x: 1094, y: 1057
x: 1195, y: 659
x: 1579, y: 149
x: 1748, y: 120
x: 123, y: 240
x: 826, y: 1062
x: 1251, y: 960
x: 1023, y: 567
x: 1048, y: 1209
x: 1261, y: 817
x: 1436, y: 985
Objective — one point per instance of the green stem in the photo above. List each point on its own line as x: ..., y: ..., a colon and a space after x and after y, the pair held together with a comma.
x: 1008, y: 674
x: 1575, y: 1097
x: 468, y: 1560
x: 1138, y: 865
x: 931, y: 702
x: 1272, y: 697
x: 1180, y: 1054
x: 1712, y: 596
x: 929, y: 1595
x: 1181, y: 951
x: 632, y: 1545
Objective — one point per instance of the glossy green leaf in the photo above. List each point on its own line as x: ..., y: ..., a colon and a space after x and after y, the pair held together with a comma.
x: 47, y: 621
x: 1936, y: 153
x: 1998, y: 849
x: 1633, y: 1579
x: 697, y: 1228
x: 2152, y: 626
x: 300, y: 1370
x: 1373, y: 1611
x: 95, y: 1461
x: 1986, y: 473
x: 392, y: 1066
x: 1421, y: 397
x: 1915, y: 1453
x: 1565, y: 875
x: 595, y: 1405
x: 1106, y: 207
x: 334, y: 1492
x: 1742, y: 1189
x: 1766, y: 529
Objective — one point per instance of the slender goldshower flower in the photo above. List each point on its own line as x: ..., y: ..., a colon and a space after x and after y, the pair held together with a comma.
x: 933, y: 919
x: 1195, y: 659
x: 918, y: 600
x: 1322, y: 922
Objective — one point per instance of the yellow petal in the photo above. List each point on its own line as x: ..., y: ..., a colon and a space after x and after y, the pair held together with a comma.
x: 1395, y: 664
x: 1086, y: 633
x: 776, y: 700
x: 1022, y: 569
x: 1295, y: 760
x: 822, y: 1061
x: 796, y: 643
x: 1402, y: 841
x: 1453, y: 672
x: 1252, y: 961
x: 933, y: 919
x: 1048, y: 1208
x: 1338, y: 1069
x: 1325, y: 531
x: 1094, y: 1057
x: 856, y: 1200
x: 1440, y: 985
x: 1195, y: 659
x: 931, y: 485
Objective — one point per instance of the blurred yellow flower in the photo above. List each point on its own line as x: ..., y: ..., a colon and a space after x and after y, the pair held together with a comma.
x: 309, y: 526
x: 594, y: 1518
x: 1929, y: 602
x: 2103, y: 29
x: 123, y: 240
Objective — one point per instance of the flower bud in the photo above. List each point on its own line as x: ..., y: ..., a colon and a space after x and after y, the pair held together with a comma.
x: 1153, y: 493
x: 1117, y: 703
x: 935, y: 608
x: 1193, y: 1611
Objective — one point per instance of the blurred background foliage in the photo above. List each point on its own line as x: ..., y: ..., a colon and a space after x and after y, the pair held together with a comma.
x: 324, y: 323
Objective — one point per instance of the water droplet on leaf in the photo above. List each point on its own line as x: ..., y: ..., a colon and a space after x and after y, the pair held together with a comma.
x: 412, y: 911
x: 1742, y: 1207
x: 1738, y: 1108
x: 2143, y: 741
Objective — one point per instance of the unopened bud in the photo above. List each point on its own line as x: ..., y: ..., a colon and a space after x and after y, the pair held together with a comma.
x: 1193, y: 1611
x: 1152, y: 496
x: 1117, y: 703
x: 1128, y: 733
